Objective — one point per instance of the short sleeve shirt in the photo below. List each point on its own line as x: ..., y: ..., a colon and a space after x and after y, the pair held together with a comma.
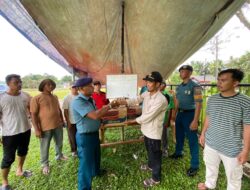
x: 48, y: 109
x: 67, y: 104
x: 81, y: 107
x: 13, y: 110
x: 227, y: 117
x: 187, y: 94
x: 100, y: 99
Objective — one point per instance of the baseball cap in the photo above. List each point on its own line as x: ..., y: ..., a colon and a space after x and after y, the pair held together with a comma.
x: 155, y: 76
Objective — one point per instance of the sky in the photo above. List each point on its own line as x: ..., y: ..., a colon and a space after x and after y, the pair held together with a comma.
x: 18, y: 55
x: 235, y: 39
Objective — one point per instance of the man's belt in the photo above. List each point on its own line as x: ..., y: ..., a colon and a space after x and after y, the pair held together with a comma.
x: 182, y: 110
x: 90, y: 133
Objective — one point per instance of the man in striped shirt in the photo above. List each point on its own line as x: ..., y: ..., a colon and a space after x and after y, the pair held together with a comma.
x: 226, y: 131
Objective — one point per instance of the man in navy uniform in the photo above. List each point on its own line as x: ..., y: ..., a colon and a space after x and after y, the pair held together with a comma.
x: 87, y: 119
x: 188, y: 107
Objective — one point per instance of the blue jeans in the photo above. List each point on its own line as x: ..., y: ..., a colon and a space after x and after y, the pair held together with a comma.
x: 88, y: 147
x: 57, y: 135
x: 182, y: 124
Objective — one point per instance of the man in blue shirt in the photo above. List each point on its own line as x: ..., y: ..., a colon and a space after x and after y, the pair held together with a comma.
x: 87, y: 137
x: 188, y: 107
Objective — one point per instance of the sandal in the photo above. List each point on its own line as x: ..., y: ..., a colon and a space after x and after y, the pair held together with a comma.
x: 26, y: 173
x: 46, y: 170
x: 202, y: 186
x: 145, y: 167
x: 150, y: 182
x: 62, y: 158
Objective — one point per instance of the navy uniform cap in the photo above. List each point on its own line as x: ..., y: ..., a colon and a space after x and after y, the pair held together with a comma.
x: 83, y: 82
x: 186, y: 67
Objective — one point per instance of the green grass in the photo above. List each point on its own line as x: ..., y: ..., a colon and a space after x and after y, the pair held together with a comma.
x: 123, y: 169
x: 60, y: 92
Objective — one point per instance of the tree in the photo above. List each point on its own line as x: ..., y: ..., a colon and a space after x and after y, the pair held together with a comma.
x: 33, y: 80
x: 242, y: 63
x: 201, y: 68
x: 66, y: 79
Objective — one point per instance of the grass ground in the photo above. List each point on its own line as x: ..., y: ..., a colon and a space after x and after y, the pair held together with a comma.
x: 122, y: 163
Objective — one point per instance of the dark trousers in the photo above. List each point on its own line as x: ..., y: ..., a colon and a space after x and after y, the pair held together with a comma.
x: 11, y: 144
x: 164, y: 138
x: 165, y: 131
x: 182, y: 124
x: 153, y: 148
x: 72, y: 137
x: 88, y: 147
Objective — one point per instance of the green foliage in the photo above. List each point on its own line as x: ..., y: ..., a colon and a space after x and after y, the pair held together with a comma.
x: 174, y: 78
x: 201, y: 67
x: 33, y: 80
x: 59, y: 92
x: 242, y: 63
x: 66, y: 79
x: 123, y: 169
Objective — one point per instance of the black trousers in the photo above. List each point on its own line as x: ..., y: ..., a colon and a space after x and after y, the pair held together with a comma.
x: 72, y: 137
x: 153, y: 148
x: 11, y: 144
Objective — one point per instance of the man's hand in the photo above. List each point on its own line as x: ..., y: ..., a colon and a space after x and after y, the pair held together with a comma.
x: 202, y: 140
x: 243, y: 157
x: 38, y: 133
x: 194, y: 125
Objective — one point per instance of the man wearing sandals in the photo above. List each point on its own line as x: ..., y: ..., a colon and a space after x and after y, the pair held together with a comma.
x: 227, y: 124
x: 47, y: 120
x: 14, y: 105
x: 151, y: 120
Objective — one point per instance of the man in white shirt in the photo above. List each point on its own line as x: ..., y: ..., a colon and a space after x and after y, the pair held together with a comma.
x: 151, y: 121
x: 16, y: 131
x: 68, y: 114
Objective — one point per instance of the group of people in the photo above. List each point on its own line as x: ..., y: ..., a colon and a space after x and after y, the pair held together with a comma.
x: 225, y: 134
x: 18, y: 110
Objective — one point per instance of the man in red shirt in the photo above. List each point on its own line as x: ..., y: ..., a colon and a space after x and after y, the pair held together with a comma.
x: 99, y: 96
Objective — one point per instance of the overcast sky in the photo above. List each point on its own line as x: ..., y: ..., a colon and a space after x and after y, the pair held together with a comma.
x: 18, y: 55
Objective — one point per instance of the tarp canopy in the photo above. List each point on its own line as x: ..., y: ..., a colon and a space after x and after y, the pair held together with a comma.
x: 158, y: 35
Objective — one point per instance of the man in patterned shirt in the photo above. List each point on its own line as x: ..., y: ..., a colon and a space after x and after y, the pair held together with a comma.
x: 188, y: 107
x: 227, y: 124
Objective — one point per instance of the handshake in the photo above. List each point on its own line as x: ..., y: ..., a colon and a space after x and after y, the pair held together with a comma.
x: 117, y: 102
